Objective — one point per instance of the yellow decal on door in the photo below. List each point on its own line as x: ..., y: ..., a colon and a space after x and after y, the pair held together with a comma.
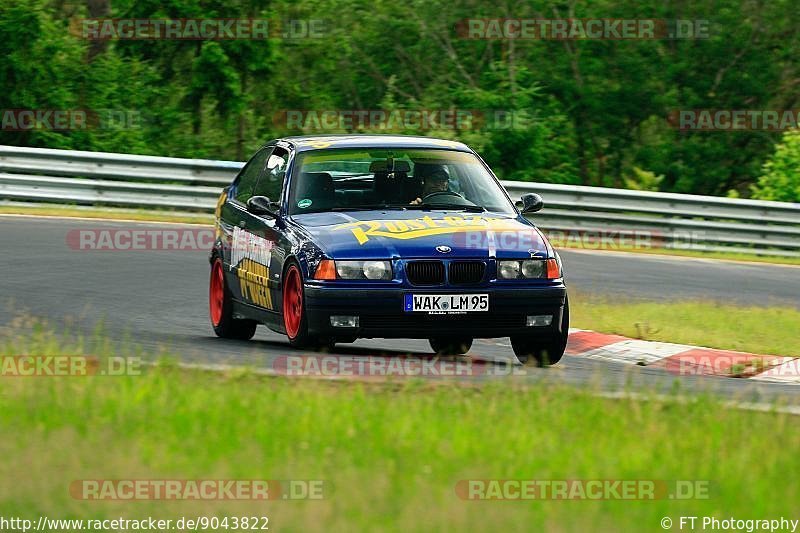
x: 254, y: 283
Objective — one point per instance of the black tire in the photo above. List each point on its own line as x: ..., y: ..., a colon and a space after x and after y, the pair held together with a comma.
x: 543, y: 351
x: 221, y: 308
x: 450, y: 345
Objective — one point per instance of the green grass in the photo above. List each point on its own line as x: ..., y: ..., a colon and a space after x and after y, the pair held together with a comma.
x: 391, y: 453
x: 758, y: 330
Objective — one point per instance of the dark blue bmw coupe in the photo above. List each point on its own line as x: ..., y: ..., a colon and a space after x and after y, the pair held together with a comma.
x: 330, y: 239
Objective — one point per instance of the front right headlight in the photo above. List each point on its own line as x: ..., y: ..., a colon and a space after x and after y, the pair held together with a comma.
x: 371, y: 270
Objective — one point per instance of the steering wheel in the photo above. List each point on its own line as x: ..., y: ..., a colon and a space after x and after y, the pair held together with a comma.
x: 440, y: 193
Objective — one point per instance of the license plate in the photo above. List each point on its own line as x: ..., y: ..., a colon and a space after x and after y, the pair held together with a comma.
x: 446, y: 303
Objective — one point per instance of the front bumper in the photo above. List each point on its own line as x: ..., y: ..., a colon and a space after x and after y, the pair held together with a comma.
x: 380, y: 312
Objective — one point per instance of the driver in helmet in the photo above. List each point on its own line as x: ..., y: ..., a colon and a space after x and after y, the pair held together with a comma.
x: 435, y: 181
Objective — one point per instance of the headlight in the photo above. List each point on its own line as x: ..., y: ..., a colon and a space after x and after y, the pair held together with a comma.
x: 528, y: 269
x: 373, y: 270
x: 533, y: 269
x: 509, y: 269
x: 377, y: 270
x: 349, y: 269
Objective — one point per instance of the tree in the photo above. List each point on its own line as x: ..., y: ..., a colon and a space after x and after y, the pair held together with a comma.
x: 781, y: 173
x: 584, y: 111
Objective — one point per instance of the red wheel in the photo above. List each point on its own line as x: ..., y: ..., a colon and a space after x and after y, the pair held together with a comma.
x: 292, y: 302
x: 295, y: 318
x: 220, y: 308
x: 216, y: 293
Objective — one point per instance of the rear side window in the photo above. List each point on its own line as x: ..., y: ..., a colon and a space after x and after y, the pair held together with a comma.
x: 271, y: 182
x: 249, y: 175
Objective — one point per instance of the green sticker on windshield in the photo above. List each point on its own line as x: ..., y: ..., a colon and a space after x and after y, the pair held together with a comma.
x: 305, y: 202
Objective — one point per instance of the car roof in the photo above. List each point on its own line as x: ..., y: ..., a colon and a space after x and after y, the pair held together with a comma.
x: 303, y: 143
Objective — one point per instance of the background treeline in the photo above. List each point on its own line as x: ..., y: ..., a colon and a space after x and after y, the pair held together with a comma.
x: 596, y: 111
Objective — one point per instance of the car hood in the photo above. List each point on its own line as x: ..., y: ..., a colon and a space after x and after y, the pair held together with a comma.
x: 446, y: 234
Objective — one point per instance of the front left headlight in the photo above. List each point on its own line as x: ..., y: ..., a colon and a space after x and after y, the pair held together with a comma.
x: 534, y: 268
x: 372, y: 270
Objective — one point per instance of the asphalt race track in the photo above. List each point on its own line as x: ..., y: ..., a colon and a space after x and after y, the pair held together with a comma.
x: 158, y: 300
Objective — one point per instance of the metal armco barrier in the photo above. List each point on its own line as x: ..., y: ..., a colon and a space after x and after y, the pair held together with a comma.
x: 707, y: 223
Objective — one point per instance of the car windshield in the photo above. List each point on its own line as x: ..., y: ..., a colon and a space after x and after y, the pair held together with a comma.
x: 358, y: 179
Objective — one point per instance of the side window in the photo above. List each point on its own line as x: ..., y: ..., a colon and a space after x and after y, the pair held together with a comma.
x: 249, y: 176
x: 271, y: 182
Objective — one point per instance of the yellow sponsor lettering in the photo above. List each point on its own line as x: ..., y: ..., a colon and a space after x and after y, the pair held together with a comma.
x: 254, y: 283
x: 423, y: 227
x: 361, y: 234
x: 240, y: 273
x: 455, y: 221
x: 396, y: 227
x: 429, y: 221
x: 319, y: 143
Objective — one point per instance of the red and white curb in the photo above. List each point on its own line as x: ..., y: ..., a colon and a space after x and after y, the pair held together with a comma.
x: 683, y: 359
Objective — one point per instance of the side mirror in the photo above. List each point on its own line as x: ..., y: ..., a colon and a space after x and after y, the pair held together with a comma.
x: 260, y: 205
x: 531, y: 203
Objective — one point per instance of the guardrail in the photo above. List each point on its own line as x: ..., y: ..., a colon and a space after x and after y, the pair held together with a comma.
x: 591, y: 214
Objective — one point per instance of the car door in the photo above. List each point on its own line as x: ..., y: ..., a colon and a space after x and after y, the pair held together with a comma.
x: 232, y: 216
x: 256, y: 236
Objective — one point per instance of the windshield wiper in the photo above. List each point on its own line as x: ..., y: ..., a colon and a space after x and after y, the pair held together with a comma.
x: 468, y: 208
x: 371, y: 207
x: 368, y: 207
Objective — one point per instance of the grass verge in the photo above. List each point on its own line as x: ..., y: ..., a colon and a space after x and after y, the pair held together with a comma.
x: 109, y: 213
x: 758, y: 330
x: 390, y: 455
x: 697, y: 254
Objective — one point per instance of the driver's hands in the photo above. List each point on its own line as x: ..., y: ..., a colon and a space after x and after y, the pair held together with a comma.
x: 415, y: 202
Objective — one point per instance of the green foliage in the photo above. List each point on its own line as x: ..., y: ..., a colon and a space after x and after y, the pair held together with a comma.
x: 589, y: 112
x: 643, y: 180
x: 781, y: 178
